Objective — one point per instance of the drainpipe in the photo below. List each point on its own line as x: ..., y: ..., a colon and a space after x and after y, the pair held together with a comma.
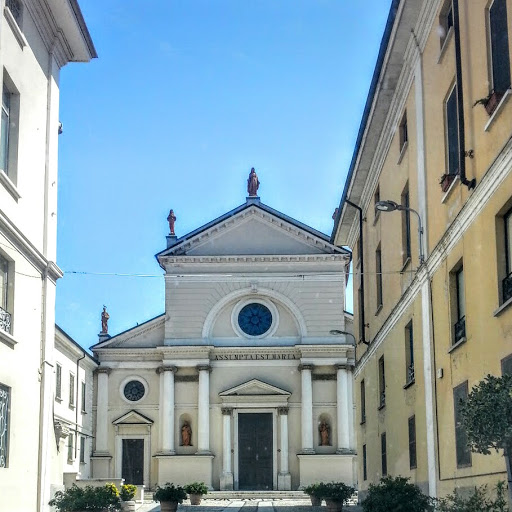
x: 361, y: 256
x: 460, y: 100
x: 76, y: 403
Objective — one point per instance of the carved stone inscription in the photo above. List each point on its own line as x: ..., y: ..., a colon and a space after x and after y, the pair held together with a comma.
x: 253, y: 357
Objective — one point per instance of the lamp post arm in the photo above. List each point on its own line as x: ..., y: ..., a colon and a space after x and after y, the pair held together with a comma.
x: 420, y: 235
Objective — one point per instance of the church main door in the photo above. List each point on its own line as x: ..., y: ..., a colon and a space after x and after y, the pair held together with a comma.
x: 255, y: 451
x: 133, y: 461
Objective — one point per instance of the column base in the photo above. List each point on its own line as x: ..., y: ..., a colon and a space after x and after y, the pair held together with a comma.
x: 100, y: 462
x: 307, y: 451
x: 166, y: 453
x: 203, y: 452
x: 226, y: 482
x: 178, y: 469
x: 284, y: 482
x: 321, y: 468
x: 345, y: 451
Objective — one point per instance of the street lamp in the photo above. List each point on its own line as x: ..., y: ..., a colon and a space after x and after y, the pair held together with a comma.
x: 391, y: 206
x: 337, y: 332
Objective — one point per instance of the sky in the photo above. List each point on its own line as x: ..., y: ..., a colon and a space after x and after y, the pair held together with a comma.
x: 185, y: 97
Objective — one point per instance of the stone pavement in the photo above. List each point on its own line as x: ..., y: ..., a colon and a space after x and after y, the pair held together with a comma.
x: 247, y: 505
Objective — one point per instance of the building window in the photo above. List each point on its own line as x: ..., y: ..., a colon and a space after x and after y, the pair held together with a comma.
x: 9, y: 129
x: 383, y: 454
x: 359, y: 315
x: 365, y: 471
x: 71, y: 457
x: 82, y: 449
x: 71, y: 390
x: 460, y: 393
x: 409, y: 353
x: 402, y: 132
x: 58, y: 382
x: 5, y: 413
x: 452, y: 133
x: 378, y: 276
x: 446, y: 21
x: 363, y: 402
x: 506, y: 365
x: 376, y: 199
x: 5, y: 316
x: 406, y: 226
x: 412, y: 442
x: 16, y: 8
x: 499, y: 52
x: 459, y: 328
x: 382, y: 383
x: 507, y: 281
x: 83, y: 397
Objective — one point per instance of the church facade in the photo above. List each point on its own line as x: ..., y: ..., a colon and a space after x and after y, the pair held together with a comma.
x: 245, y: 382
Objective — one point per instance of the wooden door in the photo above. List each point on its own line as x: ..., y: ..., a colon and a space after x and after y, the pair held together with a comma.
x: 255, y: 451
x: 133, y: 461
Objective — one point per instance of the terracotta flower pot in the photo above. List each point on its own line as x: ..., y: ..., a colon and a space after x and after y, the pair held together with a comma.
x: 334, y: 505
x: 168, y: 506
x: 195, y: 499
x: 316, y: 501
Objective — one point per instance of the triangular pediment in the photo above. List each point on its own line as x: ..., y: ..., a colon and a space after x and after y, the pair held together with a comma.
x: 252, y: 229
x: 255, y: 387
x: 133, y: 418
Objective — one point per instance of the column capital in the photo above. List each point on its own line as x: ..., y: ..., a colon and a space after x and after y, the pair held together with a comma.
x: 345, y: 366
x: 204, y: 368
x: 103, y: 369
x: 166, y: 368
x: 227, y: 411
x: 282, y: 411
x: 306, y: 366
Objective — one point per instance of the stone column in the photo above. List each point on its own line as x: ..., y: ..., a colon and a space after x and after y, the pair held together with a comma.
x: 342, y: 405
x: 350, y: 401
x: 167, y: 404
x: 307, y: 409
x: 284, y: 479
x: 226, y: 479
x: 203, y: 410
x: 102, y: 411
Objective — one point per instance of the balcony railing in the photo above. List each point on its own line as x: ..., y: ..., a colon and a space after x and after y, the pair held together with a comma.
x: 410, y: 373
x: 507, y: 287
x: 459, y: 330
x: 382, y: 400
x: 16, y: 9
x: 5, y: 321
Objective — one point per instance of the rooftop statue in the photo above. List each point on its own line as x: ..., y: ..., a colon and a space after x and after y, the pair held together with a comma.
x: 253, y: 183
x: 171, y: 218
x: 104, y: 320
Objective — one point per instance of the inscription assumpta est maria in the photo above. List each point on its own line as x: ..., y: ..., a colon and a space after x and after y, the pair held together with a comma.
x: 253, y: 357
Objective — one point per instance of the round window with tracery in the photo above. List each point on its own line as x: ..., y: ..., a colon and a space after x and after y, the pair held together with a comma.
x: 134, y: 390
x: 255, y: 319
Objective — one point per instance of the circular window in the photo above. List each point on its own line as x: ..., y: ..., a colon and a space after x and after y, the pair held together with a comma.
x: 255, y: 319
x: 134, y: 390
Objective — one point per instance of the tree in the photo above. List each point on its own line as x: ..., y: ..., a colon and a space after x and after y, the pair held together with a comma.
x: 487, y: 419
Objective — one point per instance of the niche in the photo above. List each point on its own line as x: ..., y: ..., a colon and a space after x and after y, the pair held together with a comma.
x: 324, y: 430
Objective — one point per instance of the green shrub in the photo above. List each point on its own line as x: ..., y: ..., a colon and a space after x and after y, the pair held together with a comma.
x: 396, y: 495
x: 336, y: 491
x: 477, y: 501
x: 170, y: 492
x: 128, y: 492
x: 316, y: 490
x: 196, y: 488
x: 87, y: 498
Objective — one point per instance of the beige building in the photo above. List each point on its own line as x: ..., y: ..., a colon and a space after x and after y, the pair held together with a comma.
x: 239, y: 383
x: 433, y: 311
x: 72, y: 409
x: 36, y: 39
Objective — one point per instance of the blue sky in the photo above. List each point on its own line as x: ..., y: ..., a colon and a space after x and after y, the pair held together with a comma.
x: 185, y: 97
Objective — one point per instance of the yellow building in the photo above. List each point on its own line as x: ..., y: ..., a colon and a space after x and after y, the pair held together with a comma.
x: 432, y: 318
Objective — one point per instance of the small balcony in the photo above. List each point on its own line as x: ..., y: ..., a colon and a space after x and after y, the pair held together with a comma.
x: 410, y: 373
x: 507, y: 287
x: 5, y: 321
x: 459, y: 330
x: 382, y: 399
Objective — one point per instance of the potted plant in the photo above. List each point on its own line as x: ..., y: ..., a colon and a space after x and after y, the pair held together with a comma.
x: 336, y: 494
x: 88, y: 498
x: 316, y: 493
x: 169, y: 496
x: 196, y: 491
x: 490, y: 102
x: 127, y: 494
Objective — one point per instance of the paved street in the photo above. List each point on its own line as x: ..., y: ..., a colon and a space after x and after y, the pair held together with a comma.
x: 247, y: 505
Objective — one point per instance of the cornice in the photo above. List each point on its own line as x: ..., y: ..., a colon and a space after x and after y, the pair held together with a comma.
x: 499, y: 170
x: 262, y: 258
x: 23, y: 245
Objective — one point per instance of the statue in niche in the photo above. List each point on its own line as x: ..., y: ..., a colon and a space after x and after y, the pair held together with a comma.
x: 104, y: 320
x: 253, y: 183
x: 171, y: 218
x: 186, y: 435
x: 325, y: 430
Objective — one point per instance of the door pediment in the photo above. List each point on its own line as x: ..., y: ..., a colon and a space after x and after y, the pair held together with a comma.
x: 133, y: 418
x: 255, y: 393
